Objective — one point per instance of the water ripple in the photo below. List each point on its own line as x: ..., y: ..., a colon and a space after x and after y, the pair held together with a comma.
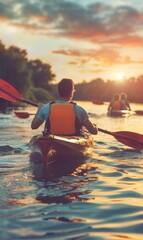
x: 101, y: 199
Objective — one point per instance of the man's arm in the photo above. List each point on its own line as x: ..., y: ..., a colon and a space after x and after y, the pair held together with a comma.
x: 90, y: 127
x: 36, y: 122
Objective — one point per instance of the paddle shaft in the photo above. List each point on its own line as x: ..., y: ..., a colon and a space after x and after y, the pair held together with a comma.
x: 20, y: 99
x: 30, y: 102
x: 105, y: 131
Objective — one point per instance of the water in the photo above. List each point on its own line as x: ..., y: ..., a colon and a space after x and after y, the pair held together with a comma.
x: 102, y: 200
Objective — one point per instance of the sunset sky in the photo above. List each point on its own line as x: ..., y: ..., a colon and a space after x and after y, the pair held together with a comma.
x: 82, y: 40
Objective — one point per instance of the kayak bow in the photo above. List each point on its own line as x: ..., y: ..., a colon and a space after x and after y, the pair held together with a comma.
x: 61, y: 145
x: 60, y: 153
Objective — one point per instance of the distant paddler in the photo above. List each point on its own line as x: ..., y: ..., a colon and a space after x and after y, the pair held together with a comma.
x: 116, y: 103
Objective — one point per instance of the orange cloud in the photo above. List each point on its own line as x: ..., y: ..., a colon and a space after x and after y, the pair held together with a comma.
x: 105, y: 56
x: 109, y: 28
x: 97, y: 23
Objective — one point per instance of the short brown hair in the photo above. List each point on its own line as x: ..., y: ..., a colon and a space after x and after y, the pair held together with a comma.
x: 65, y: 87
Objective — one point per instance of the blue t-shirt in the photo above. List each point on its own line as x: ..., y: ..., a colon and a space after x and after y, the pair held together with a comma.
x: 80, y: 112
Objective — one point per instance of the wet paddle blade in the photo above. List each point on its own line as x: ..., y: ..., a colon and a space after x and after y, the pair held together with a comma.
x: 8, y: 92
x: 23, y: 114
x: 7, y: 97
x: 139, y: 112
x: 131, y: 139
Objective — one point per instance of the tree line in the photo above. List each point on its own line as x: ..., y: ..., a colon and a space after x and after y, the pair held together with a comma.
x: 31, y: 78
x: 35, y: 80
x: 99, y: 89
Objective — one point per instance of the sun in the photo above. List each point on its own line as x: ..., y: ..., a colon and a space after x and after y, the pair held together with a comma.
x: 119, y: 77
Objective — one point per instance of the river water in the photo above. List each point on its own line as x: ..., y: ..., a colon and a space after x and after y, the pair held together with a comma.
x: 101, y: 200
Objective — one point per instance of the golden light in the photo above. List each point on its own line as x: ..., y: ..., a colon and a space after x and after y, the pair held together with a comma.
x: 119, y: 77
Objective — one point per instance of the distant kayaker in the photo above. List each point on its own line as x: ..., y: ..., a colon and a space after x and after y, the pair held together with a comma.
x: 125, y: 102
x: 63, y: 117
x: 116, y: 103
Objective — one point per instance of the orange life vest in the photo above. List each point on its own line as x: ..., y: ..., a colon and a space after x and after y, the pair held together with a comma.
x: 116, y: 105
x: 62, y: 119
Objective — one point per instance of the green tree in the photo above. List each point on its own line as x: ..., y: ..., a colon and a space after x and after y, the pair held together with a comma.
x: 25, y: 75
x: 41, y: 74
x: 14, y: 68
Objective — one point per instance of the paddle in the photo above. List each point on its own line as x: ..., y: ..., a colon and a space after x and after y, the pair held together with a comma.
x: 23, y: 114
x: 131, y: 139
x: 139, y: 112
x: 9, y: 93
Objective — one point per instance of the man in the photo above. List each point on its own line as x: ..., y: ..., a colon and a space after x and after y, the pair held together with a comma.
x: 63, y: 117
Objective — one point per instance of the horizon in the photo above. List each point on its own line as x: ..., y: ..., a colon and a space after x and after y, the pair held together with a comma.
x: 83, y: 41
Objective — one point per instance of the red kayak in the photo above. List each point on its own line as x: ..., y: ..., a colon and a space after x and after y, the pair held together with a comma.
x: 61, y: 153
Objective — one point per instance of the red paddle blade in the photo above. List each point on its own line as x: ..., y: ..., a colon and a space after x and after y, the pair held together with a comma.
x: 8, y: 92
x: 131, y: 139
x: 21, y: 114
x: 98, y: 101
x: 6, y: 96
x: 139, y: 112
